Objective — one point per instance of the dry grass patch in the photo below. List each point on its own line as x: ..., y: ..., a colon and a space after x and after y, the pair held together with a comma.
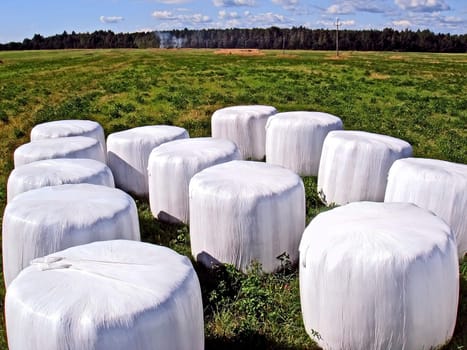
x: 379, y: 76
x: 241, y: 52
x: 193, y: 115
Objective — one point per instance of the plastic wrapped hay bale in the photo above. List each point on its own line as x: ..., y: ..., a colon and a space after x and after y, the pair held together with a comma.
x: 128, y: 153
x: 436, y: 185
x: 379, y: 276
x: 52, y: 172
x: 171, y: 167
x: 244, y: 125
x: 106, y: 295
x: 244, y: 211
x: 67, y: 128
x: 63, y: 147
x: 49, y: 219
x: 295, y: 139
x: 354, y: 166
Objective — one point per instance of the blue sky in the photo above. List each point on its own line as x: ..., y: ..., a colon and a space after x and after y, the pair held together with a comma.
x: 21, y: 19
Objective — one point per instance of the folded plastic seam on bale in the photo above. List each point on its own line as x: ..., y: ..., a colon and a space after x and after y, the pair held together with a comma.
x: 107, y: 303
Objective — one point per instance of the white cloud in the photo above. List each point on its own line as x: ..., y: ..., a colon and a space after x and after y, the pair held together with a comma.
x: 346, y: 23
x: 233, y: 3
x: 269, y: 19
x: 196, y: 18
x: 405, y: 23
x: 349, y: 22
x: 423, y: 5
x: 233, y: 23
x: 228, y: 15
x: 287, y: 4
x: 111, y: 19
x: 452, y: 20
x: 453, y: 23
x: 247, y: 19
x: 352, y: 6
x: 340, y: 9
x: 182, y: 19
x: 163, y: 15
x: 436, y: 21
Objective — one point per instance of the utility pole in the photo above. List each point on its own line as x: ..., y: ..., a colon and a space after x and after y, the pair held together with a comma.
x: 337, y: 37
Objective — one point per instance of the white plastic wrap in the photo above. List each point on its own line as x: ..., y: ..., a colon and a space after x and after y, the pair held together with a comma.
x: 244, y: 125
x: 171, y: 167
x: 436, y: 185
x: 244, y: 211
x: 354, y: 166
x: 295, y: 139
x: 67, y: 128
x: 128, y: 153
x: 52, y: 172
x: 113, y: 295
x: 379, y: 276
x: 49, y: 219
x: 63, y: 147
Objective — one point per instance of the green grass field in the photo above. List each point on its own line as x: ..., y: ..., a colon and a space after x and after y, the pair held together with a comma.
x: 421, y: 98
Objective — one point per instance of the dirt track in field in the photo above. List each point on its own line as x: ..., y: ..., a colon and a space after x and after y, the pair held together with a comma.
x: 241, y: 52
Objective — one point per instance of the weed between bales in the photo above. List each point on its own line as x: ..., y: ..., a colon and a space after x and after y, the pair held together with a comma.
x: 420, y: 98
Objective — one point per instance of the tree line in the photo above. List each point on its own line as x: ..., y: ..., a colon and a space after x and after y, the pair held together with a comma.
x: 259, y: 38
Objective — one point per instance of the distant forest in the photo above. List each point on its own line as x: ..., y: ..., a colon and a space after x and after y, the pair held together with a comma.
x: 258, y: 38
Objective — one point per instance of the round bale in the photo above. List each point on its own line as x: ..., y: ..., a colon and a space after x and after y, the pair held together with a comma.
x: 112, y: 295
x: 171, y: 167
x: 52, y: 172
x: 379, y: 276
x: 244, y: 125
x: 294, y: 140
x: 243, y: 212
x: 62, y: 147
x: 128, y: 153
x: 436, y: 185
x: 49, y: 219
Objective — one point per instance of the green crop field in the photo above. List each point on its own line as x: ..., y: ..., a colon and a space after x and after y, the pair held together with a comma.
x: 421, y: 98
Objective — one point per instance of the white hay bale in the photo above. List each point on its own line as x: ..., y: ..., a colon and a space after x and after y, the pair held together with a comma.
x: 128, y: 153
x: 111, y: 295
x: 244, y: 125
x: 436, y: 185
x: 171, y: 167
x: 49, y: 219
x: 244, y: 211
x: 379, y: 276
x: 63, y: 147
x: 52, y: 172
x: 354, y: 165
x: 295, y: 139
x: 67, y: 128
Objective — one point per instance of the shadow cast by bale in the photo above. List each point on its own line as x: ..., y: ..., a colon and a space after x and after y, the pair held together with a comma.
x: 159, y: 232
x: 168, y: 218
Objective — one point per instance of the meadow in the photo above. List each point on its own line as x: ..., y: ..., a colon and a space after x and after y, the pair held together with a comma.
x: 421, y: 98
